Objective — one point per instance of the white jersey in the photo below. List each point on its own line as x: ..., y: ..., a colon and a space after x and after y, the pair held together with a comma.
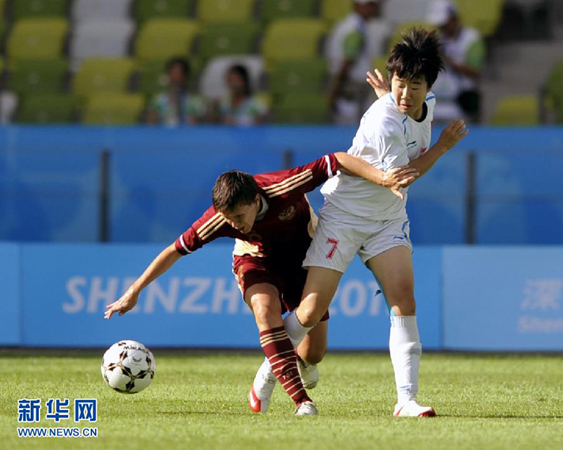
x: 386, y: 139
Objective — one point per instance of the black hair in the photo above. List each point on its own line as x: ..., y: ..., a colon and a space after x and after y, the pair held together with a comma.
x: 418, y: 55
x: 182, y: 62
x: 233, y: 189
x: 242, y: 71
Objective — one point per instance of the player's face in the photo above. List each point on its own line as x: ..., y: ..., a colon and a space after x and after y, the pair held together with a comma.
x: 409, y: 95
x: 243, y: 216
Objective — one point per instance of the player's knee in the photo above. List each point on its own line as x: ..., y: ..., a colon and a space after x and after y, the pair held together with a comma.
x: 265, y: 312
x: 309, y: 317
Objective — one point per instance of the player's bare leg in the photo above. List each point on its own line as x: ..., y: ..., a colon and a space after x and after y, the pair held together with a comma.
x: 393, y: 269
x: 264, y: 301
x: 310, y: 352
x: 319, y: 290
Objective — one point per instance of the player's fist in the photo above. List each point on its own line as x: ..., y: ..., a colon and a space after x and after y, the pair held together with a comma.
x: 452, y: 134
x: 126, y: 303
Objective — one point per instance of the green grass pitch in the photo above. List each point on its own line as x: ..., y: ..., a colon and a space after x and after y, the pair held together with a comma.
x: 198, y: 401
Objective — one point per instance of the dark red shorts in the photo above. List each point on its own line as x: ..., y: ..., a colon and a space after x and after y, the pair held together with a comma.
x: 289, y: 278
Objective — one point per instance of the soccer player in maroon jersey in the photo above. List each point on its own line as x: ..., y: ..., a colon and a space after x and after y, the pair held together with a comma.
x: 272, y: 222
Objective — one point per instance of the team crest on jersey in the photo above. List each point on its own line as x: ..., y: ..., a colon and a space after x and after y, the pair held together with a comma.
x: 287, y: 214
x: 253, y: 236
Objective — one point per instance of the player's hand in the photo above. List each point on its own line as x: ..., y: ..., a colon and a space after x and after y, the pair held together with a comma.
x: 126, y: 303
x: 399, y: 177
x: 452, y: 134
x: 378, y: 82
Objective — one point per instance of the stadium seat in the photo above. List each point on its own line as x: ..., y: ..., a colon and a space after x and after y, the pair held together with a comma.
x: 307, y: 75
x: 225, y: 10
x: 166, y: 38
x: 37, y: 39
x: 150, y: 9
x: 400, y: 11
x: 212, y: 81
x: 228, y: 39
x: 517, y: 110
x: 153, y: 76
x: 100, y: 75
x: 101, y: 9
x: 36, y: 77
x: 100, y: 38
x: 484, y: 15
x: 47, y: 109
x: 302, y: 108
x: 113, y: 109
x: 404, y: 27
x: 554, y: 92
x: 287, y: 9
x: 334, y: 10
x: 21, y: 9
x: 292, y: 39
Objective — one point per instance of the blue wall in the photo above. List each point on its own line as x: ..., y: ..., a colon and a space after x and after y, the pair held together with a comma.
x: 161, y: 179
x: 469, y: 298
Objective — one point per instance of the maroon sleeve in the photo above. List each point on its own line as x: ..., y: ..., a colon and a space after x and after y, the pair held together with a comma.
x: 208, y: 227
x: 300, y: 179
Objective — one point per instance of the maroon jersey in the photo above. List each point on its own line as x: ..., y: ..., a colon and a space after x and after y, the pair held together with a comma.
x: 285, y: 225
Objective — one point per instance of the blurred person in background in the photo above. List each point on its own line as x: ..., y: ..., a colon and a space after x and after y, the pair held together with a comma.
x: 457, y: 89
x: 351, y: 48
x: 176, y: 106
x: 241, y: 107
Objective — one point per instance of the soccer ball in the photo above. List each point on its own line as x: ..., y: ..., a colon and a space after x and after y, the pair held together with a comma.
x: 128, y: 367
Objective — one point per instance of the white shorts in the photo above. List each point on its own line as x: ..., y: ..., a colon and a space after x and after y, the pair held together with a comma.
x: 339, y: 236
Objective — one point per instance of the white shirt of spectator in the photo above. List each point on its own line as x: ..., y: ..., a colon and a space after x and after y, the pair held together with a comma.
x: 375, y: 33
x: 386, y: 139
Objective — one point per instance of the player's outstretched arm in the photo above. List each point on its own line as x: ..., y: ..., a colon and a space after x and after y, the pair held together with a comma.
x: 450, y: 136
x: 393, y: 179
x: 160, y: 264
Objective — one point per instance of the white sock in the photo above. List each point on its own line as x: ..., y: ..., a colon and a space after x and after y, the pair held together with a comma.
x: 405, y: 350
x: 294, y: 329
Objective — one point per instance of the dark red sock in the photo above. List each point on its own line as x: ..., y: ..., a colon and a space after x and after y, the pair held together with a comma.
x: 281, y: 354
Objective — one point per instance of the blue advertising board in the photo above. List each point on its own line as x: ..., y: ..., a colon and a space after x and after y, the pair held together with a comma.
x: 503, y: 298
x: 195, y: 304
x: 10, y: 297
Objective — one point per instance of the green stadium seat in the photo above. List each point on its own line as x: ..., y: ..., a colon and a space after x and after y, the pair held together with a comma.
x: 228, y: 39
x: 37, y: 39
x: 554, y: 92
x: 302, y: 108
x: 38, y: 77
x: 46, y: 109
x: 287, y: 9
x: 292, y: 39
x: 334, y: 10
x: 153, y: 76
x: 484, y: 15
x: 150, y: 9
x: 517, y: 110
x: 101, y: 75
x: 113, y: 109
x: 404, y: 27
x: 23, y: 9
x: 225, y: 10
x: 166, y: 38
x: 307, y: 75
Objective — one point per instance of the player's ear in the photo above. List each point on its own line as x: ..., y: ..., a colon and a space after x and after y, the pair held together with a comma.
x: 257, y: 198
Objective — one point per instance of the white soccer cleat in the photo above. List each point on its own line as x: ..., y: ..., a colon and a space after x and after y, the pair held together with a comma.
x: 413, y: 409
x: 307, y: 409
x: 309, y: 374
x: 262, y: 388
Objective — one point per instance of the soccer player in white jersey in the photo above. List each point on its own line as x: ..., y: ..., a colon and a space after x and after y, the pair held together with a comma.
x: 359, y: 217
